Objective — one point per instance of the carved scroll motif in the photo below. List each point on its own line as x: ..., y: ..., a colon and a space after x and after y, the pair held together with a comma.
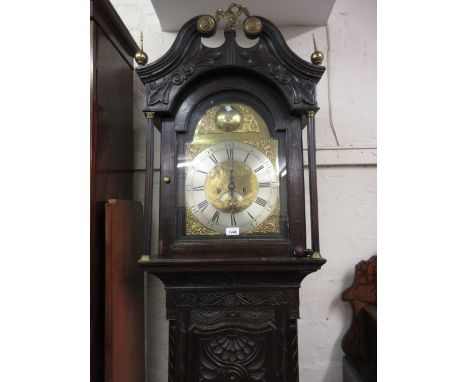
x: 159, y: 91
x: 207, y: 317
x: 232, y: 299
x: 301, y: 89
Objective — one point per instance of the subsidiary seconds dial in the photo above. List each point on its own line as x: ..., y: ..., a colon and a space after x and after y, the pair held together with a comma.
x: 231, y: 184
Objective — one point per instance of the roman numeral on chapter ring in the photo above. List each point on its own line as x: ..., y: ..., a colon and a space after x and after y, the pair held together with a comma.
x: 215, y: 217
x: 213, y: 158
x: 259, y: 168
x: 233, y: 220
x: 261, y: 201
x: 203, y: 205
x: 230, y: 153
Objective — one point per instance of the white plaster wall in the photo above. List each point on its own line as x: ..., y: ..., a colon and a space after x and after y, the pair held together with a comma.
x: 346, y: 176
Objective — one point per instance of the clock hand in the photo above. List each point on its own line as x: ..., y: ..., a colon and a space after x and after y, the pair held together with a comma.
x: 231, y: 185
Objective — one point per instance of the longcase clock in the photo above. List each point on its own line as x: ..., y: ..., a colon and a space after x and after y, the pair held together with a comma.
x: 231, y: 247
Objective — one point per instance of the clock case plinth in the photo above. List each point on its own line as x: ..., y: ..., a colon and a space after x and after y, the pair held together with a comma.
x: 232, y: 305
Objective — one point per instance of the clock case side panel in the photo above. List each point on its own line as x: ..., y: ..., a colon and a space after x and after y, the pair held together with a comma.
x: 286, y: 124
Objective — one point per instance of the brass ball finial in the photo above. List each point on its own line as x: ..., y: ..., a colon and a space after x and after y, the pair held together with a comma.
x: 252, y: 27
x: 141, y: 57
x: 317, y: 55
x: 206, y: 25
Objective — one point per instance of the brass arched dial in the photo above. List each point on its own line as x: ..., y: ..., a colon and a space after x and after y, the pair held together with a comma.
x: 231, y: 184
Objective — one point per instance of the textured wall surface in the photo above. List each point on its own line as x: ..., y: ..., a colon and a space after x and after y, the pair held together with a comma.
x: 346, y: 140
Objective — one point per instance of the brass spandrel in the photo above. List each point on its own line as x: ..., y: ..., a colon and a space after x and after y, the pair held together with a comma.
x: 268, y: 147
x: 271, y: 225
x: 193, y: 149
x: 194, y: 228
x: 251, y: 121
x: 206, y: 125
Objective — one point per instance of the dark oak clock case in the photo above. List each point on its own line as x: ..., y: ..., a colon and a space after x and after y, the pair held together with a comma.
x: 232, y: 303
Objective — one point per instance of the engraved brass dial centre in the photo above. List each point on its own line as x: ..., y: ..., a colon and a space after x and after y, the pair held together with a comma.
x: 231, y: 187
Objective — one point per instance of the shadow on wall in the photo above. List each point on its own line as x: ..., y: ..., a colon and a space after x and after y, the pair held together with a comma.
x: 293, y: 32
x: 330, y: 367
x: 287, y: 32
x: 157, y: 331
x: 337, y: 353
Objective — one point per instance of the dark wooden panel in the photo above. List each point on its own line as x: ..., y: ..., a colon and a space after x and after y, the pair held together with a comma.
x: 295, y: 178
x: 236, y: 331
x: 168, y: 191
x: 231, y: 351
x: 96, y: 245
x: 114, y: 144
x: 314, y: 225
x: 124, y: 293
x: 111, y: 166
x: 111, y: 97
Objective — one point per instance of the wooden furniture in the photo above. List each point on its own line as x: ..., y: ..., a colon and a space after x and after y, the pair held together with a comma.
x: 111, y: 92
x: 232, y: 240
x: 360, y: 342
x: 124, y: 293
